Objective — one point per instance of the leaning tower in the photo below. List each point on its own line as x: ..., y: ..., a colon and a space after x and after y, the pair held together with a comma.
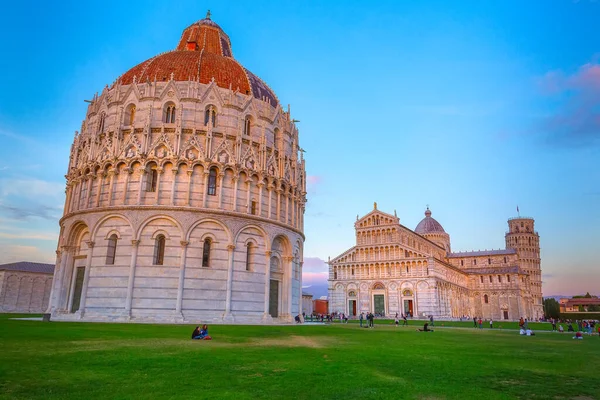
x: 523, y: 238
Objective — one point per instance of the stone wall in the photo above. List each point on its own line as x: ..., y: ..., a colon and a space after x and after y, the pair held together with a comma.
x: 24, y: 292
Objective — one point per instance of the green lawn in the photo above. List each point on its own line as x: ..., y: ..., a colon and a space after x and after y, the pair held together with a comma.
x: 341, y: 361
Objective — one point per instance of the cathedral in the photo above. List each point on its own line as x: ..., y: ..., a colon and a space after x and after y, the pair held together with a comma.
x: 393, y: 269
x: 185, y: 195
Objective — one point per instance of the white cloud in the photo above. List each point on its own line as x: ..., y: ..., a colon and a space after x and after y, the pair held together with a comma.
x: 15, y: 253
x: 30, y: 236
x: 31, y: 188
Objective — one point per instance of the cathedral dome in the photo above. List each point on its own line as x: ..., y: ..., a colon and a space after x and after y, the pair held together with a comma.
x: 429, y: 225
x: 203, y: 54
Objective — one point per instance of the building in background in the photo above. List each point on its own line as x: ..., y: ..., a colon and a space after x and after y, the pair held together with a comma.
x: 186, y: 192
x: 25, y: 287
x: 393, y: 269
x: 307, y: 303
x: 579, y: 304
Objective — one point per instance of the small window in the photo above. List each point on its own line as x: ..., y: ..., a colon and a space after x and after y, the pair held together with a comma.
x: 212, y: 182
x: 151, y: 180
x: 248, y: 256
x: 485, y: 299
x: 504, y: 260
x: 159, y: 250
x: 335, y: 275
x: 352, y: 271
x: 481, y: 279
x: 508, y: 278
x: 475, y: 262
x: 489, y: 261
x: 206, y: 253
x: 210, y: 115
x: 462, y: 263
x: 111, y: 250
x: 130, y: 115
x: 500, y: 278
x: 407, y: 269
x: 170, y: 114
x: 247, y: 125
x: 490, y: 279
x: 101, y: 123
x: 253, y: 207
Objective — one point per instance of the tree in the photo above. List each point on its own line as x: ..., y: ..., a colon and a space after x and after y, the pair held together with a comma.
x: 551, y: 308
x: 585, y: 296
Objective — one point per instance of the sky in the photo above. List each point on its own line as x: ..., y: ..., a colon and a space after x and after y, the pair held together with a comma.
x: 473, y: 108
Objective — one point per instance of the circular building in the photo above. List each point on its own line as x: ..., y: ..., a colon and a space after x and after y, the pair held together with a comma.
x: 185, y: 197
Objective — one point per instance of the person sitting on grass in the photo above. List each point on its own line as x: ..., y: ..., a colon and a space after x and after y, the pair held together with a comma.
x: 578, y: 335
x: 561, y: 329
x: 522, y: 332
x: 529, y: 332
x: 425, y: 328
x: 202, y: 334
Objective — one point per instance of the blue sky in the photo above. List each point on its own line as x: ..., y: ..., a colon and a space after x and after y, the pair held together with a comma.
x: 473, y: 108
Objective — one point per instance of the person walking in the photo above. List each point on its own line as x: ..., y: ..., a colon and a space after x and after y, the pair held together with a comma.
x: 480, y: 323
x: 491, y: 324
x: 405, y: 323
x: 396, y: 320
x: 431, y: 320
x: 475, y: 322
x: 361, y: 319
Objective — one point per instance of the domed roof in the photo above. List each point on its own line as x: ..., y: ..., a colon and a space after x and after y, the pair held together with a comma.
x: 429, y: 225
x: 203, y: 53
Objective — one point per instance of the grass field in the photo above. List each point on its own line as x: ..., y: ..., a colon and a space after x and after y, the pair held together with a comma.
x: 339, y: 361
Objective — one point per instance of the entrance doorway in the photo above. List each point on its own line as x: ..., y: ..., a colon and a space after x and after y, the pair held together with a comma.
x: 274, y: 298
x: 408, y: 308
x: 352, y: 307
x: 77, y: 290
x: 379, y: 304
x: 505, y: 312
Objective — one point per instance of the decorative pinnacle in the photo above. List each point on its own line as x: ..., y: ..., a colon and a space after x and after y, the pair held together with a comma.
x: 208, y: 14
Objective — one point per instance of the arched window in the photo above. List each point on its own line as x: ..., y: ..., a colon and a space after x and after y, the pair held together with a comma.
x: 481, y: 278
x: 101, y: 122
x: 462, y: 262
x: 210, y: 115
x: 170, y: 114
x: 499, y: 278
x: 111, y: 250
x: 485, y: 299
x: 508, y: 278
x: 159, y: 250
x: 206, y: 253
x: 130, y: 115
x: 247, y: 125
x: 248, y: 256
x: 505, y: 260
x: 253, y: 207
x: 212, y: 182
x: 489, y: 261
x: 151, y: 180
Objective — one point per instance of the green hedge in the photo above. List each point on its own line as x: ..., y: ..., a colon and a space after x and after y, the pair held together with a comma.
x: 580, y: 315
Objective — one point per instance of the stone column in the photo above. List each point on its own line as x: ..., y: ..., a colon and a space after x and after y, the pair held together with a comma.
x: 87, y: 193
x: 140, y: 188
x: 221, y: 177
x: 184, y: 246
x: 287, y: 207
x: 173, y: 186
x: 270, y: 191
x: 126, y: 185
x: 227, y: 316
x: 260, y: 197
x: 159, y: 172
x: 62, y: 290
x: 278, y: 204
x: 99, y: 192
x: 266, y: 316
x: 205, y: 189
x: 134, y: 252
x: 86, y: 277
x: 112, y: 174
x: 235, y: 190
x: 62, y: 256
x: 189, y: 187
x: 248, y: 192
x: 289, y: 283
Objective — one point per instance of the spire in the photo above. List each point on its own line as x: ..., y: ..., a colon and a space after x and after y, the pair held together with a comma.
x: 375, y: 206
x: 427, y: 212
x: 207, y: 14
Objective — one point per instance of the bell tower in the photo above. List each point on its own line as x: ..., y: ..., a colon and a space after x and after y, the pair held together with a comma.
x: 522, y: 237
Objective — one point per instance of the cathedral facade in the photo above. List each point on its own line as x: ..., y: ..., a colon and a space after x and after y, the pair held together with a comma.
x: 393, y: 269
x: 185, y: 195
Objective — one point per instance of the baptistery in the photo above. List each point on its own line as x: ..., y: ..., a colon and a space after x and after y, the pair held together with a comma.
x: 185, y: 195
